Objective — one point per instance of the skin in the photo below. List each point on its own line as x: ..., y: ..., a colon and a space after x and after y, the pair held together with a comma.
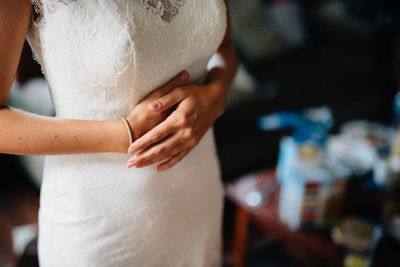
x: 29, y: 134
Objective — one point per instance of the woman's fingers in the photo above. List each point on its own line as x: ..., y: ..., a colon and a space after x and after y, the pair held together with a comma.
x: 183, y: 119
x: 169, y: 100
x: 165, y: 149
x: 158, y: 153
x: 179, y: 80
x: 153, y: 136
x: 172, y: 161
x: 161, y: 150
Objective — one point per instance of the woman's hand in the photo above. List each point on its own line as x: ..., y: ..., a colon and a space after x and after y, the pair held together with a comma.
x: 141, y: 119
x: 197, y: 108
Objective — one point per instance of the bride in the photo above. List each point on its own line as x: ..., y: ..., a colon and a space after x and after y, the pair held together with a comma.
x: 131, y: 177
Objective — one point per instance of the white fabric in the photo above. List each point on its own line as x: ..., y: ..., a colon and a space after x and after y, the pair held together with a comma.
x: 100, y: 57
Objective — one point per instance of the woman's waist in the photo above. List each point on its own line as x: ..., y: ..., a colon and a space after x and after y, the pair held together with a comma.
x: 116, y: 163
x: 92, y: 101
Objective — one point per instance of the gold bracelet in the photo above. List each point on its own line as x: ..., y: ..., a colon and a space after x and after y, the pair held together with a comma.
x: 129, y: 130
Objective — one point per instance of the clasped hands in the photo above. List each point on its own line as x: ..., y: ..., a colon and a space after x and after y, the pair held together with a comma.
x: 171, y: 121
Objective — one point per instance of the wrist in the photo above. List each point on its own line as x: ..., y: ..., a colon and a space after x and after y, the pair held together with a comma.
x: 117, y: 136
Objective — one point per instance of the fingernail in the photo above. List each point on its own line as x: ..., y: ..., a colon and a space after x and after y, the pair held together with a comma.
x: 184, y: 76
x: 131, y: 149
x: 155, y: 105
x: 131, y: 163
x: 160, y: 169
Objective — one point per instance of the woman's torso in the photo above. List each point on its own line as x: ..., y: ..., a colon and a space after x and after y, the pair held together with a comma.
x: 100, y: 57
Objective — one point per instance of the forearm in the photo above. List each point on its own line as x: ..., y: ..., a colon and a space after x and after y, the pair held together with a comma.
x: 223, y: 69
x: 30, y: 134
x: 220, y: 77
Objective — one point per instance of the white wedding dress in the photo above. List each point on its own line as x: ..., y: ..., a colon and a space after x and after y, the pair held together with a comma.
x: 100, y: 57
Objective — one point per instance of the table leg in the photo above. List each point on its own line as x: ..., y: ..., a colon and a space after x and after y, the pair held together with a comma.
x: 241, y: 235
x: 6, y: 250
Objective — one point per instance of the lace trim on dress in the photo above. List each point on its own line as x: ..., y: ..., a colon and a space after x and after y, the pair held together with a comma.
x: 51, y: 7
x: 165, y: 9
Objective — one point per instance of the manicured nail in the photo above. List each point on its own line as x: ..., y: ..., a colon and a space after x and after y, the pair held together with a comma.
x: 183, y: 75
x: 131, y: 149
x: 160, y: 169
x: 155, y: 105
x: 131, y: 163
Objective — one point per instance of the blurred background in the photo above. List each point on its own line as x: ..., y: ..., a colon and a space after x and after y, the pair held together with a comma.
x: 308, y: 145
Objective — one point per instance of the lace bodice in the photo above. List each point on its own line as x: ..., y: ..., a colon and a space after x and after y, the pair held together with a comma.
x: 103, y: 56
x: 165, y: 9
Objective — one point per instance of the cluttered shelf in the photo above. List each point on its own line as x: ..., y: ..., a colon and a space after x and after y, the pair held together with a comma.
x: 256, y: 196
x: 333, y: 199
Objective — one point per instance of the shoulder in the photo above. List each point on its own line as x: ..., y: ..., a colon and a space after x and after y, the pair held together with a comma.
x: 15, y: 9
x: 14, y: 13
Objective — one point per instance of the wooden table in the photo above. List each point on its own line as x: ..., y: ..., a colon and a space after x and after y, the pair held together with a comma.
x: 313, y: 246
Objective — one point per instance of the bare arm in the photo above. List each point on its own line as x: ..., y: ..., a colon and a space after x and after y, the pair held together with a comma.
x: 223, y: 71
x: 26, y: 133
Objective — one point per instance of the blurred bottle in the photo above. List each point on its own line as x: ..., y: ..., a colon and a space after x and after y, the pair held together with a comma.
x: 310, y: 193
x: 310, y: 131
x: 359, y: 237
